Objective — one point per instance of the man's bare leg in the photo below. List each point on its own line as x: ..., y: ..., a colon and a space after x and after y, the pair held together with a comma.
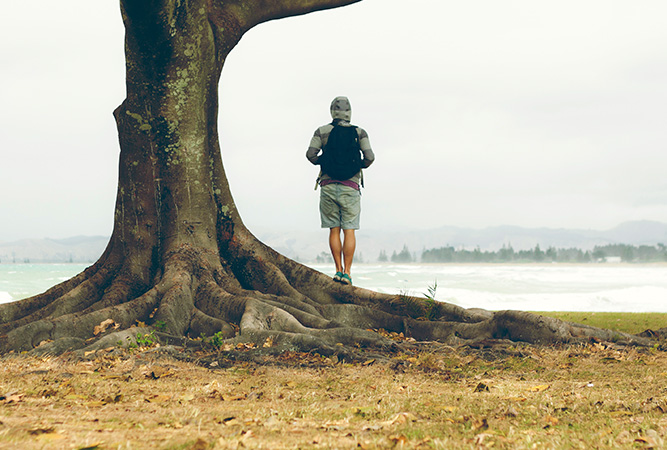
x: 336, y: 247
x: 349, y: 245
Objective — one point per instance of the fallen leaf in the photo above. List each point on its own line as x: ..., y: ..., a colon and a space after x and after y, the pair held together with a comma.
x: 186, y: 398
x: 104, y: 326
x: 245, y: 346
x: 38, y: 431
x: 480, y: 424
x: 551, y: 420
x: 231, y: 421
x: 398, y: 439
x: 157, y: 398
x: 95, y: 404
x: 95, y: 446
x: 247, y: 435
x: 159, y: 372
x: 113, y: 377
x: 402, y: 418
x: 113, y: 399
x: 13, y: 398
x: 540, y: 388
x: 610, y: 359
x: 596, y: 347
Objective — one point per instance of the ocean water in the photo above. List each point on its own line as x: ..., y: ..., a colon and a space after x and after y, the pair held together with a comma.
x: 532, y: 287
x: 548, y: 287
x: 19, y: 281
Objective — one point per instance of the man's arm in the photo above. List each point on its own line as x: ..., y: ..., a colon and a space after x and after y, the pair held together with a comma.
x: 314, y: 148
x: 366, y: 149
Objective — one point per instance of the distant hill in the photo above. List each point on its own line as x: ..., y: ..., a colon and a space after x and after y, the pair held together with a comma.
x: 307, y: 245
x: 74, y: 249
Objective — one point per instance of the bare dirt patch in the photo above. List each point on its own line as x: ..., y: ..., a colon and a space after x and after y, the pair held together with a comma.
x: 435, y: 397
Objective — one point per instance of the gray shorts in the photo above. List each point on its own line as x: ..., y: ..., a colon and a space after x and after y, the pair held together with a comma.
x: 340, y: 206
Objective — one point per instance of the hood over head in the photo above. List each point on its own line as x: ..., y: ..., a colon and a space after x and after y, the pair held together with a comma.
x: 341, y: 109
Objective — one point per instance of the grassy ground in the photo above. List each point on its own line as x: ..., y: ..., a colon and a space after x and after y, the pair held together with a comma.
x: 633, y: 323
x: 583, y: 396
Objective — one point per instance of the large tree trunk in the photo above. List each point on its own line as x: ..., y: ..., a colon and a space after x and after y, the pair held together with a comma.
x: 180, y: 258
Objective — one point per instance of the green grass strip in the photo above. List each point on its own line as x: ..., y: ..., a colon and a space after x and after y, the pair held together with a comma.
x: 632, y: 323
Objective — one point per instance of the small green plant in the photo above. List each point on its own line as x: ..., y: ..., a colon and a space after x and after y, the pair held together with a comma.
x: 147, y: 339
x: 131, y: 345
x: 431, y: 302
x: 160, y: 325
x: 217, y: 339
x: 432, y: 289
x: 418, y: 308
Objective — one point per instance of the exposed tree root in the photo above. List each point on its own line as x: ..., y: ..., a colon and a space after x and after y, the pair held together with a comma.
x: 266, y: 299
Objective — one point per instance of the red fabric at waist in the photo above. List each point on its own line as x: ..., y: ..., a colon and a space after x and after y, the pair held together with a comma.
x: 348, y: 183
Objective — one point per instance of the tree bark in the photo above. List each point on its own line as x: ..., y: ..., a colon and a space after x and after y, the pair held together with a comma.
x: 180, y: 258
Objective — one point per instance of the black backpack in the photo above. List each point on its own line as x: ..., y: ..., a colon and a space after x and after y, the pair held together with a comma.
x: 341, y: 156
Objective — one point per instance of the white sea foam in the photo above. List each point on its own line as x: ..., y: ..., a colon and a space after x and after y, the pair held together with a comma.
x: 553, y: 287
x: 5, y: 297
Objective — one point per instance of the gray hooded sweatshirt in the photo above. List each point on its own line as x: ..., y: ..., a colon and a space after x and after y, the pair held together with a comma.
x: 341, y: 113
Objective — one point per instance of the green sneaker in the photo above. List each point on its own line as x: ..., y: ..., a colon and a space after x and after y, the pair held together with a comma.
x: 346, y: 279
x: 338, y: 277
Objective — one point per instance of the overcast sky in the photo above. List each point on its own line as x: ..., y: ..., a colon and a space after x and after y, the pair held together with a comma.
x: 480, y: 113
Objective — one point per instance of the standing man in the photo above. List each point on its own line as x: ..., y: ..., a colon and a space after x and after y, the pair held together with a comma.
x: 345, y: 150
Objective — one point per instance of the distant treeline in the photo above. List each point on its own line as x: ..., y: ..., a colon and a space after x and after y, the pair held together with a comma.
x: 610, y: 252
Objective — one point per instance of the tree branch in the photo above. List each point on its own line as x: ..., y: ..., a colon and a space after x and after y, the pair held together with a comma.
x: 254, y: 12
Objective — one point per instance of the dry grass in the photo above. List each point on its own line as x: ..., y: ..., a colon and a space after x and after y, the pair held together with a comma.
x: 569, y: 397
